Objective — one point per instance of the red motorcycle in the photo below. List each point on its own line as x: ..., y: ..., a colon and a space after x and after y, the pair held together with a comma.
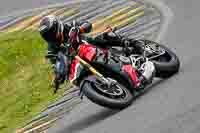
x: 106, y: 84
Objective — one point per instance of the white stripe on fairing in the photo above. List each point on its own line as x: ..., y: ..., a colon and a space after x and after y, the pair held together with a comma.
x: 75, y: 73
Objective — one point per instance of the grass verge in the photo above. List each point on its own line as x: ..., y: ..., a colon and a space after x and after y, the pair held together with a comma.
x: 24, y: 79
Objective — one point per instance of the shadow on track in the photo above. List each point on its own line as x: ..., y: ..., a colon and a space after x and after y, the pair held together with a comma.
x: 157, y: 84
x: 89, y: 121
x: 104, y: 113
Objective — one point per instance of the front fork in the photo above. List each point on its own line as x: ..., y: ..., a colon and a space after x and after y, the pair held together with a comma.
x: 99, y: 76
x: 93, y: 70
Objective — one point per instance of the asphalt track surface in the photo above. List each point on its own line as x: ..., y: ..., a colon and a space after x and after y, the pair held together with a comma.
x: 171, y: 106
x: 10, y: 6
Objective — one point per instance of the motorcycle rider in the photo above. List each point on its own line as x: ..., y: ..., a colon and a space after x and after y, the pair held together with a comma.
x: 58, y: 37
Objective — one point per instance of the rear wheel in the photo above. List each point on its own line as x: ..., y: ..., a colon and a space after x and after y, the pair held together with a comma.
x: 114, y: 97
x: 167, y: 63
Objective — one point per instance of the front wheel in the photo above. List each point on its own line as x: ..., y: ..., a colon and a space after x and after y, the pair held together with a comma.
x: 115, y: 97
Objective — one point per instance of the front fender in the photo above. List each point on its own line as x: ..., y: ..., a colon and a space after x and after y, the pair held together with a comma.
x: 87, y: 79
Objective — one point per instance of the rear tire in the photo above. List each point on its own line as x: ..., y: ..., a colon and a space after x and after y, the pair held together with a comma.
x: 165, y: 69
x: 95, y: 96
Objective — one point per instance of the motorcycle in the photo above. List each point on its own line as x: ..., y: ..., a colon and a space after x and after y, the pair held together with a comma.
x: 106, y: 84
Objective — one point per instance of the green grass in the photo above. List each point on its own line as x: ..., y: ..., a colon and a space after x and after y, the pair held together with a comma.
x: 25, y: 78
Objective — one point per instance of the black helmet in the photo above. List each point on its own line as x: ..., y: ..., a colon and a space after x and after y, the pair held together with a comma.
x: 50, y: 28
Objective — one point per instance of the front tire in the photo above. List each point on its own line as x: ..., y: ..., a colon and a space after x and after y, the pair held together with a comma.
x: 99, y: 98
